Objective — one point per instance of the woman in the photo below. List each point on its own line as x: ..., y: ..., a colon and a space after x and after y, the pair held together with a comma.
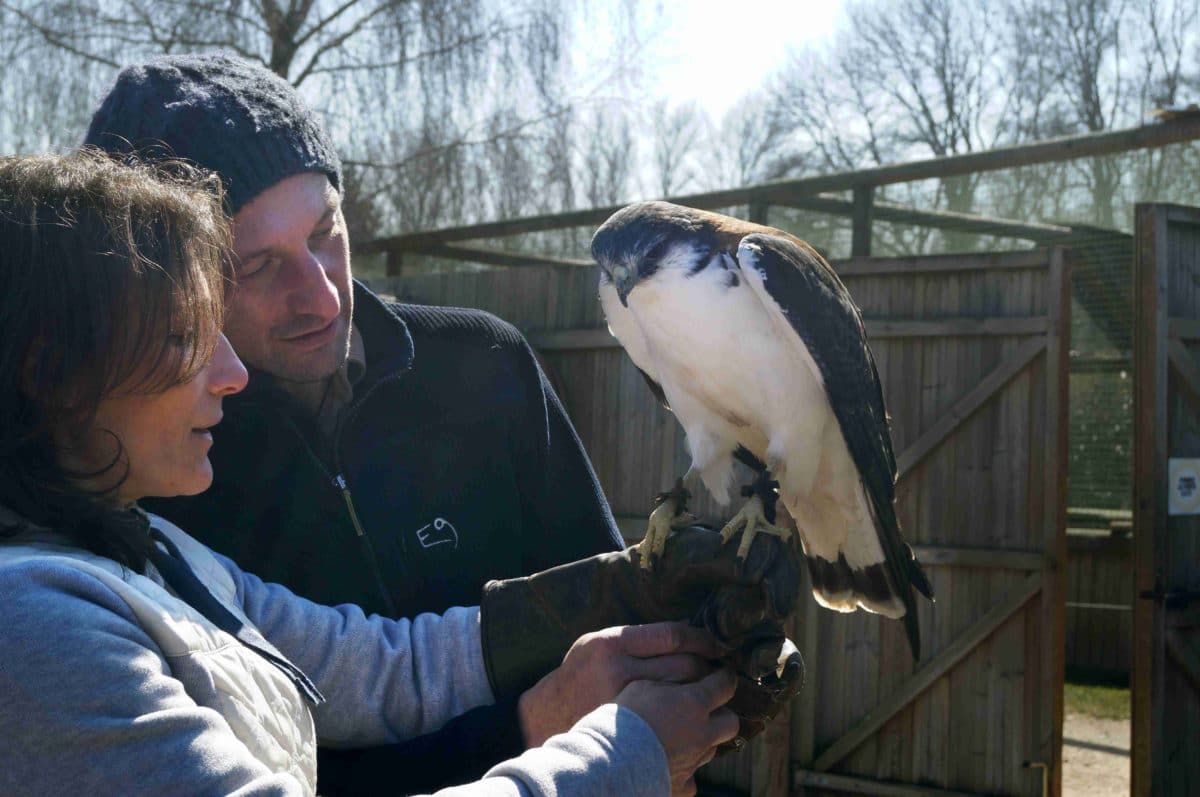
x: 132, y: 658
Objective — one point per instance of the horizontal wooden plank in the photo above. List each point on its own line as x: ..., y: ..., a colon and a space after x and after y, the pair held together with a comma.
x: 942, y: 264
x: 930, y: 672
x: 1159, y: 134
x: 962, y: 556
x: 599, y: 338
x: 852, y: 785
x: 958, y: 327
x: 1114, y: 544
x: 1000, y: 376
x: 1184, y: 328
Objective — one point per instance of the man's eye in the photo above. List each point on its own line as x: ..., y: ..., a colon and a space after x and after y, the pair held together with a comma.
x: 321, y: 235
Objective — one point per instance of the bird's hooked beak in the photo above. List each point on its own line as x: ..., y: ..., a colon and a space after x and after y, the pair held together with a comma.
x: 623, y: 280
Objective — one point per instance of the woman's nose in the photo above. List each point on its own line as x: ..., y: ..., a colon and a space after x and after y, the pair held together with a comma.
x: 227, y: 375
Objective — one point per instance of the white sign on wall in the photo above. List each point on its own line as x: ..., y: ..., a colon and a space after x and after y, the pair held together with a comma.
x: 1183, y: 478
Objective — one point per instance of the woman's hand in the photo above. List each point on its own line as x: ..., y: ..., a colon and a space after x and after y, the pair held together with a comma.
x: 689, y: 720
x: 601, y: 664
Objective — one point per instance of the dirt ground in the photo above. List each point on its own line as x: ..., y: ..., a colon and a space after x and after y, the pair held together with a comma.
x: 1095, y: 756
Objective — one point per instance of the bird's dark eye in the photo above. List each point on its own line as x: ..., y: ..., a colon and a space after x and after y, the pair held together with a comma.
x: 657, y: 251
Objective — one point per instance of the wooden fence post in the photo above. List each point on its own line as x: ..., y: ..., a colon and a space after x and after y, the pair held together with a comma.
x: 864, y: 200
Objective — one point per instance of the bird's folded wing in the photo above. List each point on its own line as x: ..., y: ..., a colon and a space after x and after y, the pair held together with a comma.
x: 795, y: 282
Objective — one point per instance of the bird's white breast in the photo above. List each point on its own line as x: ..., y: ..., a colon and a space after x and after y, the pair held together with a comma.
x: 725, y: 369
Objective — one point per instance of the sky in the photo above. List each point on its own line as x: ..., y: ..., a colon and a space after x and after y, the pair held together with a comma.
x: 715, y: 51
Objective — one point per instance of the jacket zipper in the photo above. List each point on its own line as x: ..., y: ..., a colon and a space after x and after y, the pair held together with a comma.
x: 338, y: 482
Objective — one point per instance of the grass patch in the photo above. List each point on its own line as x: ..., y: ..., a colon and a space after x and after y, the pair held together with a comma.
x: 1104, y: 702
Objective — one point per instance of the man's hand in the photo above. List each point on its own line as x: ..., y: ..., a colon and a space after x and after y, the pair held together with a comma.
x: 601, y: 664
x: 689, y: 720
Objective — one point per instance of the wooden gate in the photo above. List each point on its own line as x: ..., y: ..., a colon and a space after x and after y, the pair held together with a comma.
x: 1166, y: 661
x: 972, y: 352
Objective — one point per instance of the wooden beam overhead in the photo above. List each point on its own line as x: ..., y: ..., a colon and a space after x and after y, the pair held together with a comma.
x: 938, y: 219
x: 1159, y: 134
x: 496, y: 257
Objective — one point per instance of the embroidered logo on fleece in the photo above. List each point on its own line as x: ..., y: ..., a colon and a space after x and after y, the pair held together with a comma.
x: 439, y: 532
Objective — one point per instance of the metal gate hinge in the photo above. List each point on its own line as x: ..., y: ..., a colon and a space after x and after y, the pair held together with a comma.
x: 1171, y: 598
x: 1045, y: 768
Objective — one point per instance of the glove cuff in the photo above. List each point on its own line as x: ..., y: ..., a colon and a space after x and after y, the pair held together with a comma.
x: 520, y: 643
x: 528, y: 624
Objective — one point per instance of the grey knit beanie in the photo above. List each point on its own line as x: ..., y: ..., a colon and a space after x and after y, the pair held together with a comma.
x: 224, y: 114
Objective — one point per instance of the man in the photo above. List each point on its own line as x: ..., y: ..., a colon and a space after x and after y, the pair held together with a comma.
x: 392, y: 456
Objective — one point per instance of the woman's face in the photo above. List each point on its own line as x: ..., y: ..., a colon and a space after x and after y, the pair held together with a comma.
x: 164, y: 437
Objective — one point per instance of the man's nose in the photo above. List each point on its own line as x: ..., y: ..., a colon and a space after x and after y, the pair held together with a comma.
x: 310, y: 291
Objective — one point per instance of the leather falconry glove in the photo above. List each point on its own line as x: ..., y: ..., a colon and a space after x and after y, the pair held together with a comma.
x: 529, y: 623
x: 757, y: 701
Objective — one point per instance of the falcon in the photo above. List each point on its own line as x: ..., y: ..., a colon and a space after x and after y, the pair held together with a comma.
x: 755, y: 345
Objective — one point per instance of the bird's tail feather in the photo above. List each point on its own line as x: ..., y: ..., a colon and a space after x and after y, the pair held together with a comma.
x: 844, y: 588
x: 841, y: 587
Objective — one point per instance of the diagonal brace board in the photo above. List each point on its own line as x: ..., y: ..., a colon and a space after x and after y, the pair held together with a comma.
x: 965, y: 407
x: 1185, y: 368
x: 1184, y: 657
x: 875, y: 788
x: 934, y: 669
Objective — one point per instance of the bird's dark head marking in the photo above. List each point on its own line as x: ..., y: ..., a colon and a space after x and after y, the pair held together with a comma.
x: 641, y: 239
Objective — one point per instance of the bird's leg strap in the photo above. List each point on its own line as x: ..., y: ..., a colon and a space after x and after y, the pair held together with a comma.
x: 757, y: 514
x: 767, y: 490
x: 670, y: 512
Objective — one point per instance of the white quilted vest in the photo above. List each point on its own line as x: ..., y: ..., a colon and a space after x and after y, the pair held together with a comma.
x: 261, y: 705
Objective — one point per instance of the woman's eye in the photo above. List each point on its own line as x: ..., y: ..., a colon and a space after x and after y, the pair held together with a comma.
x: 255, y: 266
x: 322, y: 235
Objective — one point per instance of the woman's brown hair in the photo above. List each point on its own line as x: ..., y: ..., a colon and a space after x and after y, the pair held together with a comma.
x: 112, y: 279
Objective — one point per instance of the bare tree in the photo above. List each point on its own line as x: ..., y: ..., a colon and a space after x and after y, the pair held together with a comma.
x: 608, y: 159
x: 899, y: 80
x: 677, y: 134
x: 441, y: 108
x: 748, y: 146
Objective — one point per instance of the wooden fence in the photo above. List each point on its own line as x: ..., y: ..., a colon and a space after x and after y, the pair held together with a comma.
x: 1099, y: 591
x: 972, y: 354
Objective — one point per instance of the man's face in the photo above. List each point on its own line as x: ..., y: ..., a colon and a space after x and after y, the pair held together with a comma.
x: 290, y: 312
